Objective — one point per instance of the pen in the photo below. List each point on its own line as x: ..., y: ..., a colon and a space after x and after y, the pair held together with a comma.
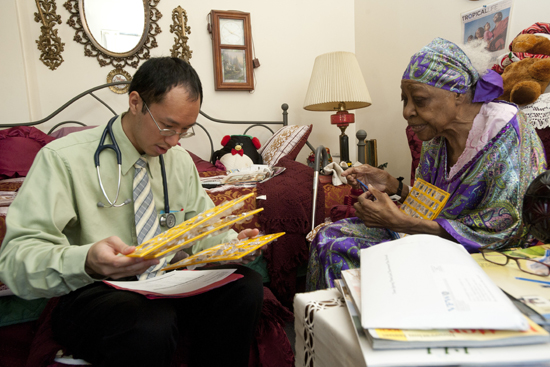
x: 365, y: 188
x: 533, y: 280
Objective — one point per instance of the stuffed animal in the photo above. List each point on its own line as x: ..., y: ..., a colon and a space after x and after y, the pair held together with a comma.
x: 525, y: 80
x: 526, y: 68
x: 531, y: 43
x: 239, y: 151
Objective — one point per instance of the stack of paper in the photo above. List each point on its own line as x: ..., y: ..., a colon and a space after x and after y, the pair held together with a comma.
x: 425, y: 292
x: 255, y: 173
x: 407, y: 338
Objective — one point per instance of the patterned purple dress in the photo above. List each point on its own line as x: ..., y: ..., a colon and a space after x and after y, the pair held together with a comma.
x: 486, y: 193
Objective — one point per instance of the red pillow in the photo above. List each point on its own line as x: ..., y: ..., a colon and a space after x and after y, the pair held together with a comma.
x: 64, y: 131
x: 18, y: 147
x: 415, y: 145
x: 202, y: 165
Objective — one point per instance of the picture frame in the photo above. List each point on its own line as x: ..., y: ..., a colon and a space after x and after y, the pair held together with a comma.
x: 119, y: 75
x: 232, y: 50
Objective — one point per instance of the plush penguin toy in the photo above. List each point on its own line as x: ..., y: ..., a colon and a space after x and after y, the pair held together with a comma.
x: 239, y: 151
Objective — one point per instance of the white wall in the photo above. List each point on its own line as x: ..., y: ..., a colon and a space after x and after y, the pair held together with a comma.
x: 387, y: 34
x: 288, y: 35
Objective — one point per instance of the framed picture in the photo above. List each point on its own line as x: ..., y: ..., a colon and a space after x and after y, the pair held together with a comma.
x: 119, y: 75
x: 233, y: 66
x: 232, y: 50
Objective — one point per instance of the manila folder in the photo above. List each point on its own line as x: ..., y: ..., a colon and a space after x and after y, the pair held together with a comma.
x: 427, y: 282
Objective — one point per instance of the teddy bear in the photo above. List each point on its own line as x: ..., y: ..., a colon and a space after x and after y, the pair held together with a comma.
x: 239, y: 151
x: 531, y: 43
x: 526, y: 72
x: 525, y: 80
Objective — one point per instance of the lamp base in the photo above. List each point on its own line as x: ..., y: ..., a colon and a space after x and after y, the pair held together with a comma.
x: 342, y: 119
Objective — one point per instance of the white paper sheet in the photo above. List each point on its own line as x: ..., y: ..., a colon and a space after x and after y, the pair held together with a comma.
x: 176, y: 282
x: 426, y: 282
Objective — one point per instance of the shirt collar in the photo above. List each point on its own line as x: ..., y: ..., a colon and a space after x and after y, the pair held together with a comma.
x: 129, y: 153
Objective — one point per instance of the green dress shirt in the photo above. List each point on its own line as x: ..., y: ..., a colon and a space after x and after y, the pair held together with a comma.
x: 54, y: 219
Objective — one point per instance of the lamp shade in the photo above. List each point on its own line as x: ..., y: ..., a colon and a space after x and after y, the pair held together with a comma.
x: 336, y: 78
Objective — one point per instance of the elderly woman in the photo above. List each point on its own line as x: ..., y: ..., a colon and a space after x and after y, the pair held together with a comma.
x: 482, y: 152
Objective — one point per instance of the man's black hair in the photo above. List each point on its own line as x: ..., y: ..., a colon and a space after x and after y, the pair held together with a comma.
x: 158, y: 75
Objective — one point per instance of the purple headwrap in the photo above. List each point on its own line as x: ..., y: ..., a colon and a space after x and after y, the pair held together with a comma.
x: 442, y: 64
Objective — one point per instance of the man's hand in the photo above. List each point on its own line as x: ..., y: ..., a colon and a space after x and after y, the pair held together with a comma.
x: 248, y: 233
x: 103, y: 260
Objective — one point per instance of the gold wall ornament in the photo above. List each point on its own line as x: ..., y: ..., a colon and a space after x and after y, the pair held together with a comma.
x: 119, y: 60
x: 49, y: 43
x: 119, y: 75
x: 180, y: 28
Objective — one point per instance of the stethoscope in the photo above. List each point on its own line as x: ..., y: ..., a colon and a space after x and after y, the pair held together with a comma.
x: 167, y: 219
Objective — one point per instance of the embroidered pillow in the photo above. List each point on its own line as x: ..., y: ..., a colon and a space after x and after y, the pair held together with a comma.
x: 288, y: 140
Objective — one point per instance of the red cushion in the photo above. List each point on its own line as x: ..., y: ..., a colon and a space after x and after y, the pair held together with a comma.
x: 415, y: 145
x: 544, y: 135
x: 64, y: 131
x: 18, y: 147
x: 202, y: 165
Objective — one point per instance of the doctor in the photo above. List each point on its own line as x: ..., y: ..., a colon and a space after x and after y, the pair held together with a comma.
x: 60, y: 242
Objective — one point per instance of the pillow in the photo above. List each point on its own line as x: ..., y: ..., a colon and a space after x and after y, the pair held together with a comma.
x: 64, y: 131
x: 415, y: 145
x: 202, y: 165
x: 288, y: 140
x: 18, y: 147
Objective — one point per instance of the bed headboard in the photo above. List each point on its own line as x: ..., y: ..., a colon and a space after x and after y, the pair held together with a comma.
x: 90, y: 92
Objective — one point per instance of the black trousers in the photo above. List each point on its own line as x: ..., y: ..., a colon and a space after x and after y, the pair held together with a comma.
x: 110, y: 327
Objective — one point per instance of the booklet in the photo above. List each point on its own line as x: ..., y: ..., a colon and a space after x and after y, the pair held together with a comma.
x: 427, y: 282
x: 178, y: 284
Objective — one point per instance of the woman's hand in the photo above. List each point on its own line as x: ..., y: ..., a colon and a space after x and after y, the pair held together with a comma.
x: 380, y: 213
x: 368, y: 175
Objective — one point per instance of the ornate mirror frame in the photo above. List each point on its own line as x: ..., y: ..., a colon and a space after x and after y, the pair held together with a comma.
x: 105, y: 57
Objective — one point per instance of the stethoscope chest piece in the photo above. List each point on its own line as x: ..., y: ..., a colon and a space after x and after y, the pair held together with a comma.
x: 168, y: 220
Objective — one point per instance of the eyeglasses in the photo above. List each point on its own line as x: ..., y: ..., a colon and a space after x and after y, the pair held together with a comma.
x: 526, y: 265
x: 168, y: 132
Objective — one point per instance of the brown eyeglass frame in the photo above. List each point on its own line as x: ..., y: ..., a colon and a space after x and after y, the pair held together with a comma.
x: 515, y: 258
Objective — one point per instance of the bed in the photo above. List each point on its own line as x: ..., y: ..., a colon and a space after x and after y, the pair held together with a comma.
x: 282, y: 264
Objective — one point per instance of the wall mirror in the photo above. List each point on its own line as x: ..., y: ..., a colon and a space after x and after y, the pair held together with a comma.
x: 117, y: 33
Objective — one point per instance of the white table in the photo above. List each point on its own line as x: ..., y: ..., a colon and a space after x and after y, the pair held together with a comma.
x: 324, y: 333
x: 325, y: 336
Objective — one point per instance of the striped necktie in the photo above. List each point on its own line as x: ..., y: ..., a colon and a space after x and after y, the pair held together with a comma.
x: 147, y: 224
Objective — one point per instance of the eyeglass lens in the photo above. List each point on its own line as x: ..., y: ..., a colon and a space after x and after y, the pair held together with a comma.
x: 168, y: 132
x: 533, y: 267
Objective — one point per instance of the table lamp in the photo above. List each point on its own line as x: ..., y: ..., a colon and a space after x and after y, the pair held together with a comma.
x: 337, y: 84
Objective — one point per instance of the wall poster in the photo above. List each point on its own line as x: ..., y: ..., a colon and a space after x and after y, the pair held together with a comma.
x: 485, y: 32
